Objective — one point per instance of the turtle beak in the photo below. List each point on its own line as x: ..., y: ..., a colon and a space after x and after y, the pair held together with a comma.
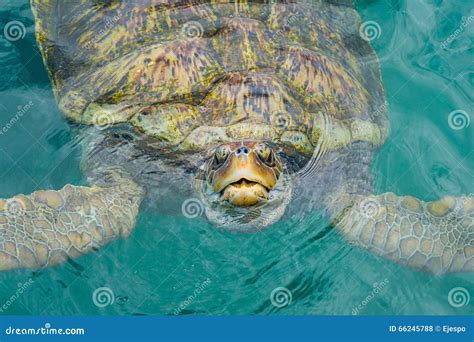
x: 245, y: 179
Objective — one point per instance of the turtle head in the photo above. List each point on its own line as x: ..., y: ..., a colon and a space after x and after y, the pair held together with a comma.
x: 245, y: 186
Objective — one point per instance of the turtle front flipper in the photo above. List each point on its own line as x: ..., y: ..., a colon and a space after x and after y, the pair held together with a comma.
x: 49, y: 227
x: 437, y: 237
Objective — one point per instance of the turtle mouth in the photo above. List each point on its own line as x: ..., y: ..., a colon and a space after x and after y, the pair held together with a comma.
x: 245, y: 186
x: 243, y: 174
x: 245, y: 193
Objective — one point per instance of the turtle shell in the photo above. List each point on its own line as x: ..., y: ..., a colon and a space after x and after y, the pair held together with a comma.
x: 194, y: 73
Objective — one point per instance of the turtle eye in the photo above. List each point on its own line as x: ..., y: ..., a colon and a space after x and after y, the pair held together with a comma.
x: 265, y: 154
x: 221, y: 154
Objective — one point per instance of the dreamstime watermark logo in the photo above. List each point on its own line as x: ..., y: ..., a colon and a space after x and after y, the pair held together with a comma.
x: 281, y: 297
x: 458, y: 297
x: 280, y: 33
x: 109, y: 23
x: 193, y: 29
x: 460, y: 29
x: 21, y: 111
x: 200, y: 287
x: 46, y: 330
x: 369, y: 207
x: 19, y: 291
x: 281, y: 120
x: 15, y: 207
x: 103, y: 120
x: 103, y: 296
x: 382, y: 109
x: 192, y: 208
x: 458, y: 119
x: 14, y: 30
x: 370, y: 30
x: 376, y: 289
x: 457, y: 212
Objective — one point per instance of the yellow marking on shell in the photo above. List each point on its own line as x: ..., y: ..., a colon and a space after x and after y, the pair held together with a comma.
x: 181, y: 69
x: 169, y: 123
x: 365, y: 131
x: 339, y: 133
x: 247, y: 9
x: 325, y: 27
x: 41, y: 37
x: 281, y: 19
x: 247, y: 131
x: 242, y: 44
x: 327, y: 84
x: 319, y: 30
x: 131, y: 24
x: 168, y: 20
x: 298, y: 140
x: 124, y: 26
x: 250, y: 96
x: 204, y: 136
x: 334, y: 133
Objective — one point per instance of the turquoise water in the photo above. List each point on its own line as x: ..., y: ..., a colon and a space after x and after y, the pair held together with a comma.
x: 176, y: 265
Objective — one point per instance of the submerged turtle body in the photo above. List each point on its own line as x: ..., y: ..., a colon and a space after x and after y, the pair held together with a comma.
x: 183, y: 78
x: 167, y: 83
x: 259, y: 109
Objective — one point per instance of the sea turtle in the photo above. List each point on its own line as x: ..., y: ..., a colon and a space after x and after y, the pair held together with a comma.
x: 250, y: 110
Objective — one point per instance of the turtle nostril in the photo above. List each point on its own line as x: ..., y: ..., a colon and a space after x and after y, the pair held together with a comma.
x: 242, y: 150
